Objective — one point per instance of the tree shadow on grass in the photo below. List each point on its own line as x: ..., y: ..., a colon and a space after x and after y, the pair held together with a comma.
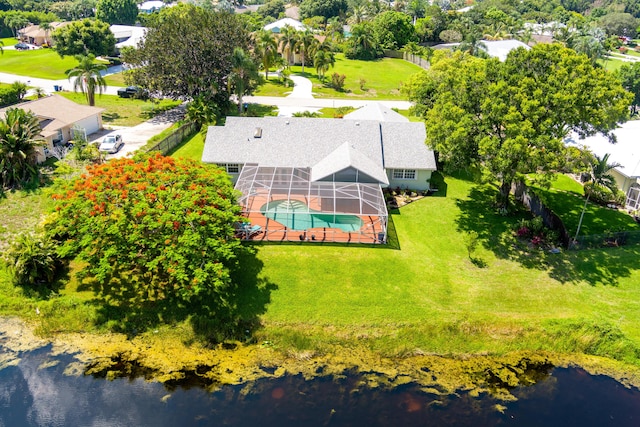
x: 495, y: 232
x: 110, y: 117
x: 210, y: 322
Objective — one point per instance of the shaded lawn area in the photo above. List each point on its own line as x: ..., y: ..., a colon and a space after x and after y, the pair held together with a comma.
x: 122, y: 111
x: 425, y: 292
x: 382, y: 78
x: 565, y: 198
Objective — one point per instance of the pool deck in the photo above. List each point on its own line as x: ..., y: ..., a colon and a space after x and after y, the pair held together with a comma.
x: 273, y: 231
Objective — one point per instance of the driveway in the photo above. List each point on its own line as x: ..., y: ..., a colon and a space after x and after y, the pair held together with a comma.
x: 137, y: 136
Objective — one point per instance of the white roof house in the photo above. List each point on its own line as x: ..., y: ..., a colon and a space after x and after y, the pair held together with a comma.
x: 376, y: 111
x: 337, y: 168
x: 625, y: 152
x: 501, y: 48
x: 277, y: 26
x: 128, y: 35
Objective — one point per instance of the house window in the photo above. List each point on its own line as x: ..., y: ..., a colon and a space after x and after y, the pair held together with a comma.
x: 231, y: 167
x: 404, y: 174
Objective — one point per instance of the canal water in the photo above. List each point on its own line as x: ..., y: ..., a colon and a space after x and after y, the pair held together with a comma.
x: 37, y: 392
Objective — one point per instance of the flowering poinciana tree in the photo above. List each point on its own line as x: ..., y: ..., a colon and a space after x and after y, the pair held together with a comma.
x: 151, y: 229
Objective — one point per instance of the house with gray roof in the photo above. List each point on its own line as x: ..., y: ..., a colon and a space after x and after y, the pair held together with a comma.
x: 300, y: 175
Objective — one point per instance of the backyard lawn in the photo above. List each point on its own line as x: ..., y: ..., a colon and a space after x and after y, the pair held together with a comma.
x: 419, y: 294
x: 40, y: 63
x: 381, y: 79
x: 565, y: 198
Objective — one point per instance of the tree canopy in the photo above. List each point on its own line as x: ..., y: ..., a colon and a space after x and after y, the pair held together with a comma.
x: 122, y: 12
x: 200, y: 44
x: 150, y: 229
x: 510, y: 118
x: 393, y: 29
x: 19, y: 137
x: 325, y: 8
x: 83, y: 38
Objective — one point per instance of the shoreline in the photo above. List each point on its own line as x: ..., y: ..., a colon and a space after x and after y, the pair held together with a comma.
x: 113, y: 355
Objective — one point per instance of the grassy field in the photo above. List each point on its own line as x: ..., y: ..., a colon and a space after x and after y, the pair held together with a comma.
x: 192, y: 148
x: 121, y: 111
x: 40, y: 63
x: 382, y: 79
x: 565, y: 198
x: 8, y: 41
x: 425, y: 292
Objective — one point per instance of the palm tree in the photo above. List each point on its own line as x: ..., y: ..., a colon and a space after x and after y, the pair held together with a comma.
x: 288, y: 37
x: 46, y: 27
x: 243, y: 71
x: 322, y: 60
x: 599, y: 176
x: 267, y: 50
x: 201, y: 112
x: 87, y: 77
x: 305, y: 45
x: 19, y: 137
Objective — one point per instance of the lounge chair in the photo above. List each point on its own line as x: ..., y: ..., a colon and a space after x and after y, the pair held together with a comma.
x: 252, y: 231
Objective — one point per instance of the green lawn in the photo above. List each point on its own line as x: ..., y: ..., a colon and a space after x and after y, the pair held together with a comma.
x: 382, y: 79
x: 425, y: 293
x: 190, y: 149
x: 122, y: 111
x: 565, y: 198
x: 419, y: 294
x: 8, y: 41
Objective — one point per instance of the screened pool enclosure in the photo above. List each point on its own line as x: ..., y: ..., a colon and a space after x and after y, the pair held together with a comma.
x: 285, y: 204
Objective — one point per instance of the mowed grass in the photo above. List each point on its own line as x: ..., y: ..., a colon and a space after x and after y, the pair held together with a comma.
x: 121, y: 111
x: 8, y: 41
x: 427, y: 294
x: 21, y: 211
x: 565, y: 198
x: 40, y: 63
x: 191, y: 148
x: 382, y: 79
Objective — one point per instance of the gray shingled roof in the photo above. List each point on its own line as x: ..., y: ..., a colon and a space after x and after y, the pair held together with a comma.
x: 376, y: 111
x: 343, y: 157
x: 304, y: 142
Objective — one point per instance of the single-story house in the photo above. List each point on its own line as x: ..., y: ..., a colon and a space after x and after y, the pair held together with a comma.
x: 277, y: 26
x: 625, y: 152
x: 501, y: 48
x: 128, y: 35
x: 61, y: 120
x: 33, y: 34
x: 320, y: 179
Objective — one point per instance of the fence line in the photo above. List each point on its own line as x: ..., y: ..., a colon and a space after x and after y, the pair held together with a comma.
x: 410, y: 57
x: 175, y: 138
x: 549, y: 217
x: 613, y: 239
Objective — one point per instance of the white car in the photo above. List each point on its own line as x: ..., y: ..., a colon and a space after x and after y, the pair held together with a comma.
x: 111, y: 144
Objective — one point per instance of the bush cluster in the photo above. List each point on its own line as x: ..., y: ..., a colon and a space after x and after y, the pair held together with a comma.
x: 603, y: 195
x: 534, y: 231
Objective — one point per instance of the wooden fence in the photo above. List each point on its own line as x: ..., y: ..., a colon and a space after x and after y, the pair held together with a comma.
x: 549, y: 218
x: 174, y: 139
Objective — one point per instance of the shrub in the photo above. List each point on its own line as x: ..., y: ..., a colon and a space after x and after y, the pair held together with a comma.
x: 337, y: 81
x: 599, y: 194
x: 623, y: 50
x: 33, y: 261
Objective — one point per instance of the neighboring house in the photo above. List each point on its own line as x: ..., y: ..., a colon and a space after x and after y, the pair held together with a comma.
x: 625, y: 152
x: 320, y: 178
x: 128, y: 35
x: 61, y: 120
x: 151, y: 6
x: 33, y: 34
x: 275, y: 27
x: 501, y: 48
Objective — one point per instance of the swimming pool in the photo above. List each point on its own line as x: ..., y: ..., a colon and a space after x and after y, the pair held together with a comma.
x: 295, y: 215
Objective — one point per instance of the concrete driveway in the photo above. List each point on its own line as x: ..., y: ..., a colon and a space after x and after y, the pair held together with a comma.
x: 137, y: 136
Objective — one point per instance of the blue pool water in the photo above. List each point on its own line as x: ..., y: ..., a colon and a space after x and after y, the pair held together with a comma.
x: 295, y: 215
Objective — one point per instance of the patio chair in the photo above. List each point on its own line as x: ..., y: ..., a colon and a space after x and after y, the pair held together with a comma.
x: 250, y: 232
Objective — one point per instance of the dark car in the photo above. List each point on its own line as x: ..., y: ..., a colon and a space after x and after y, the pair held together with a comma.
x: 22, y: 46
x: 129, y: 92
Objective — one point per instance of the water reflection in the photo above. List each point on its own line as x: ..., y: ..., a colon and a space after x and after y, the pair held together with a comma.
x: 37, y: 393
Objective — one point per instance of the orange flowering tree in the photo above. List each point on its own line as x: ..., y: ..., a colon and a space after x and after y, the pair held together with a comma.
x: 151, y: 229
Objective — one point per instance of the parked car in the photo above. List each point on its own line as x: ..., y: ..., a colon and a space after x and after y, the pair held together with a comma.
x: 22, y: 46
x: 129, y: 92
x: 111, y: 144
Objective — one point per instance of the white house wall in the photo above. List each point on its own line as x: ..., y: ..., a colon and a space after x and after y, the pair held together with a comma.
x: 421, y: 182
x: 90, y: 124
